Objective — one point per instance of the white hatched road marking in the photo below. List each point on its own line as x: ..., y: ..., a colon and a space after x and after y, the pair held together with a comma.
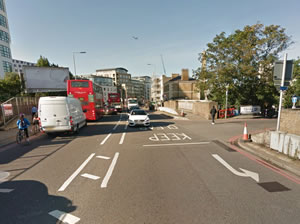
x: 190, y: 143
x: 64, y: 217
x: 90, y: 176
x: 110, y: 170
x: 103, y: 157
x: 102, y: 143
x: 70, y: 179
x: 122, y: 138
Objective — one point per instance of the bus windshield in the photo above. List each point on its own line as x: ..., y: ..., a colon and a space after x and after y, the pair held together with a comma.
x: 80, y: 84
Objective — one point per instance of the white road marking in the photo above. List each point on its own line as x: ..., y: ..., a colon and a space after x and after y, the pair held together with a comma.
x: 117, y: 125
x: 122, y: 138
x: 3, y: 175
x: 70, y: 179
x: 164, y: 137
x: 126, y: 126
x: 103, y: 157
x: 176, y: 138
x: 172, y: 127
x: 4, y: 190
x: 245, y: 173
x: 90, y: 176
x: 64, y: 217
x: 110, y: 170
x: 151, y: 127
x: 191, y: 143
x: 154, y: 138
x: 184, y: 136
x: 104, y: 140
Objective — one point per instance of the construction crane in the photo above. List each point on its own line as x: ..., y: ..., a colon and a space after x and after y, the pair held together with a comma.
x: 163, y: 64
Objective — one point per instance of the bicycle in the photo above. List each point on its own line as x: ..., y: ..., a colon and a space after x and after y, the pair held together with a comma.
x: 20, y: 136
x: 35, y: 129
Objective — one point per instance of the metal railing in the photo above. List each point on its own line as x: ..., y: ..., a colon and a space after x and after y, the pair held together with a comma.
x: 11, y: 108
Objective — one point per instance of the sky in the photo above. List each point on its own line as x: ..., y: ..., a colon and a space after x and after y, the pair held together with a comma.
x: 177, y: 30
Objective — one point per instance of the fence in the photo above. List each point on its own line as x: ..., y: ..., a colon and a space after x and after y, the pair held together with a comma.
x: 14, y: 106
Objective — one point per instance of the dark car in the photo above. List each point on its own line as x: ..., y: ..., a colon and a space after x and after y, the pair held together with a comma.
x: 110, y: 110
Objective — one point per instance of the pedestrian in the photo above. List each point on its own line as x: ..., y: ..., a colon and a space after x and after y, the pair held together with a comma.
x: 213, y: 112
x: 33, y: 112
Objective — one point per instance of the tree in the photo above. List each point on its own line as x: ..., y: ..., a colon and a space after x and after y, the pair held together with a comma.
x: 10, y: 86
x: 43, y: 62
x: 294, y: 88
x: 243, y: 61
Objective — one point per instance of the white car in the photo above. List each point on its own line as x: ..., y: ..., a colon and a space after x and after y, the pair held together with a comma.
x: 138, y: 117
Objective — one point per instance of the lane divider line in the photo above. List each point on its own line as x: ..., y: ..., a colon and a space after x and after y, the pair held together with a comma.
x: 110, y: 170
x: 64, y: 217
x: 103, y: 157
x: 122, y: 138
x: 126, y: 126
x: 4, y: 190
x: 104, y: 140
x: 71, y: 178
x: 90, y: 176
x: 117, y: 125
x: 191, y: 143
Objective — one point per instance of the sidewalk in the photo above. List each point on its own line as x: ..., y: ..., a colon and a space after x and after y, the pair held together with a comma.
x: 271, y: 156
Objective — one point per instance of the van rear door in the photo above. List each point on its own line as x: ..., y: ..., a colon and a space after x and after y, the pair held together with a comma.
x: 54, y: 114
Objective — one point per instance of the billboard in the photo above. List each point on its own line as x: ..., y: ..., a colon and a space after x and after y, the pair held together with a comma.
x: 45, y: 79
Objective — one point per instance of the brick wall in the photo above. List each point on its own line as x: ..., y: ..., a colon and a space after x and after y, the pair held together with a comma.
x: 290, y: 121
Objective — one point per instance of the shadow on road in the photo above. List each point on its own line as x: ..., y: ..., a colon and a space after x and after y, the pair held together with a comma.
x: 30, y: 202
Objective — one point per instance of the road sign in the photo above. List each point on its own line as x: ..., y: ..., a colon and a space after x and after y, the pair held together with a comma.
x: 277, y: 72
x: 283, y: 88
x: 294, y: 99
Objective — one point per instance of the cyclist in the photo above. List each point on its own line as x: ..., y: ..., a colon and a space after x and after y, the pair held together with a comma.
x: 23, y: 124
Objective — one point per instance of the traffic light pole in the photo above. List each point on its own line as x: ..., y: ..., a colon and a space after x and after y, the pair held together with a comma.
x: 281, y: 92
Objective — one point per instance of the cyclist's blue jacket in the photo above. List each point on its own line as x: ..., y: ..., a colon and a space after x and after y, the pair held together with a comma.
x: 23, y: 125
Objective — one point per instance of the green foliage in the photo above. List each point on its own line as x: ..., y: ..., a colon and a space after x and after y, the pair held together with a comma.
x: 10, y: 86
x: 243, y: 61
x: 42, y: 62
x: 294, y: 88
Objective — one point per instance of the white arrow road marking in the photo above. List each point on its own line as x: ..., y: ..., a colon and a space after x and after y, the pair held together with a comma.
x: 122, y: 138
x: 104, y: 140
x: 64, y: 217
x: 103, y: 157
x: 70, y: 179
x: 3, y: 190
x: 90, y: 176
x: 110, y: 170
x: 191, y: 143
x: 246, y: 173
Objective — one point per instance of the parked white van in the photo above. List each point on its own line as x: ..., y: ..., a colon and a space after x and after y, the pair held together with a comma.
x: 60, y: 114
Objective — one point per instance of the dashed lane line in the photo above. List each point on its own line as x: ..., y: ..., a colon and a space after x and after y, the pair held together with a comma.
x: 110, y: 170
x: 104, y: 140
x: 64, y: 217
x: 122, y: 138
x: 71, y: 178
x: 103, y: 157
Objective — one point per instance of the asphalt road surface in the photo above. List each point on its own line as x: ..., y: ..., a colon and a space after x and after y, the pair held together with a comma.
x: 175, y: 171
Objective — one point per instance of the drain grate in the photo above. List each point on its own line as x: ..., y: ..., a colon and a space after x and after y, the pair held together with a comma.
x: 223, y: 145
x: 273, y: 187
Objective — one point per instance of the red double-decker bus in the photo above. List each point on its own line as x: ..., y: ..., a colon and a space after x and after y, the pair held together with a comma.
x: 90, y: 96
x: 115, y: 100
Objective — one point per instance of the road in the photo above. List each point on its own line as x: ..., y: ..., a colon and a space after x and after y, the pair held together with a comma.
x: 176, y: 171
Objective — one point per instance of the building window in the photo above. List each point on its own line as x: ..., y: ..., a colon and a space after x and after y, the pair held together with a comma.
x: 5, y: 51
x: 4, y: 36
x: 3, y: 21
x: 7, y: 66
x: 2, y: 5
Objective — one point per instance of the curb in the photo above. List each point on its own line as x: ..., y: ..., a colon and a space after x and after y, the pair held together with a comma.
x: 279, y: 162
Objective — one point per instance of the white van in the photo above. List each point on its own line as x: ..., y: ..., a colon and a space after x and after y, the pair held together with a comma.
x: 60, y: 114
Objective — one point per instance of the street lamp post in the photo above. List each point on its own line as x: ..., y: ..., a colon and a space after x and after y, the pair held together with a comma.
x: 81, y: 52
x: 226, y: 101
